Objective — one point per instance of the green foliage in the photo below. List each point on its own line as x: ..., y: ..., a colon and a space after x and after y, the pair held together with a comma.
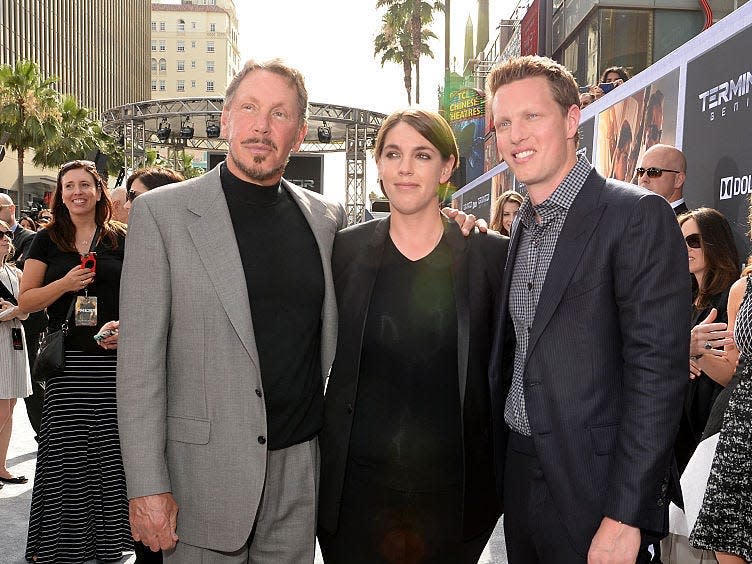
x: 55, y: 127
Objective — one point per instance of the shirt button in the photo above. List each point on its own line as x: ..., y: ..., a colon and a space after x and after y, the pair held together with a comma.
x: 258, y: 392
x: 262, y: 440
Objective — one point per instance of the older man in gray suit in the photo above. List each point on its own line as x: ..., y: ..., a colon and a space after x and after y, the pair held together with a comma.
x: 228, y: 329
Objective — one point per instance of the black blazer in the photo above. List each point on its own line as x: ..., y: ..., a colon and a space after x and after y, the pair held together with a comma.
x: 477, y: 266
x: 608, y: 358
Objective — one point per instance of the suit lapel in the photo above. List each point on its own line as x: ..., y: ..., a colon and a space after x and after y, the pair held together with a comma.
x: 461, y: 283
x: 217, y: 247
x: 582, y: 219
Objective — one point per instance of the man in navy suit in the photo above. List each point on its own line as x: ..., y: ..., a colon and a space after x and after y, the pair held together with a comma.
x: 595, y: 305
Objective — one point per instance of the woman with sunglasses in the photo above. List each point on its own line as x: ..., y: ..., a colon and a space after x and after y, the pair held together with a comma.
x: 79, y: 507
x: 406, y: 459
x: 713, y: 265
x: 148, y: 178
x: 724, y: 522
x: 15, y: 380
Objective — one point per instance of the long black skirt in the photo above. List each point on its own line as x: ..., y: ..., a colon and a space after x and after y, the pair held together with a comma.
x: 79, y: 505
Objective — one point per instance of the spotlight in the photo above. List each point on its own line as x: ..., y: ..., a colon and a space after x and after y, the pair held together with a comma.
x: 212, y: 129
x: 325, y: 133
x: 186, y: 129
x: 163, y: 133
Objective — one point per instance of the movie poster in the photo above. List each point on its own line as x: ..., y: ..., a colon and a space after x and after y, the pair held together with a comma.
x: 633, y: 125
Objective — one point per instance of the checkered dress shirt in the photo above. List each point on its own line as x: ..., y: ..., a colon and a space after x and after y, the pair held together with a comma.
x: 536, y: 249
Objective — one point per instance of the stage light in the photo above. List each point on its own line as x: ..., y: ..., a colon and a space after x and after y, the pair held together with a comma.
x: 163, y: 133
x: 325, y: 133
x: 212, y: 129
x: 186, y: 129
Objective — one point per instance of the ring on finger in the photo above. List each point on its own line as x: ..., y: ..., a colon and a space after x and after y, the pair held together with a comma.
x: 708, y: 346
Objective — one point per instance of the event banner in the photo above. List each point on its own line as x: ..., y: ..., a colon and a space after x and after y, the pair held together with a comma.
x: 697, y: 98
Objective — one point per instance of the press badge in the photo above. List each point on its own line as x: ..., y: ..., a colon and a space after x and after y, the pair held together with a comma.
x: 17, y: 337
x: 86, y: 311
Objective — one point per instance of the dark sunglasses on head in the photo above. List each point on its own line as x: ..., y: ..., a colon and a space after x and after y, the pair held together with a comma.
x: 132, y: 195
x: 693, y: 240
x: 653, y: 171
x: 78, y: 164
x: 8, y: 234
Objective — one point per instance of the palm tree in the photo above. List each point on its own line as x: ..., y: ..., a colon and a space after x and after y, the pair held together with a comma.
x: 29, y: 111
x: 78, y: 136
x: 418, y: 14
x: 395, y: 43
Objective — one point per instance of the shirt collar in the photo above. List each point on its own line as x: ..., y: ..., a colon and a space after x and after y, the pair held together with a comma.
x: 563, y: 196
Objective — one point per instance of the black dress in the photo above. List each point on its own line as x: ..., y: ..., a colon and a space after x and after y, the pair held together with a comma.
x: 725, y: 520
x: 79, y: 505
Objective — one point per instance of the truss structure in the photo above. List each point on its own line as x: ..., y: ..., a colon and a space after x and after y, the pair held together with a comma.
x: 353, y: 132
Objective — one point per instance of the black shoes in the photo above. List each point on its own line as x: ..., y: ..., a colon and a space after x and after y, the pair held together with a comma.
x: 14, y: 480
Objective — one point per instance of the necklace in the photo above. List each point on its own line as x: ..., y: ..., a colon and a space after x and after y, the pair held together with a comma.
x: 85, y: 242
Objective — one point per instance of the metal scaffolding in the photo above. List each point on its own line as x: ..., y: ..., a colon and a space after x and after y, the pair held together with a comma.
x: 352, y: 131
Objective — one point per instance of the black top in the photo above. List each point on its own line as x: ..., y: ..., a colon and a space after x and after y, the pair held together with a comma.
x: 285, y: 280
x: 106, y: 287
x: 407, y: 427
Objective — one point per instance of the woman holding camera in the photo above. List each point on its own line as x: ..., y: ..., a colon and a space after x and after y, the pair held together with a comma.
x: 79, y: 507
x: 14, y: 366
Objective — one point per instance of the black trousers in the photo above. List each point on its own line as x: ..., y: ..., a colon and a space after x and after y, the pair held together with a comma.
x: 534, y: 530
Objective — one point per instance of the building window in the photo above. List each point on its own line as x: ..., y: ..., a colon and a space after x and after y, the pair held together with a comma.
x: 193, y: 44
x: 181, y: 66
x: 181, y: 25
x: 162, y: 45
x: 209, y: 66
x: 162, y: 85
x: 153, y: 85
x: 193, y: 64
x: 153, y: 44
x: 210, y: 86
x: 193, y: 25
x: 162, y: 26
x: 181, y: 85
x: 210, y: 46
x: 153, y: 65
x: 162, y: 65
x: 181, y: 46
x: 193, y: 84
x: 154, y: 26
x: 212, y: 27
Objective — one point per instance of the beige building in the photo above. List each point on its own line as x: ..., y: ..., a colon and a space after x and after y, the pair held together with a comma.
x: 99, y: 51
x: 194, y: 48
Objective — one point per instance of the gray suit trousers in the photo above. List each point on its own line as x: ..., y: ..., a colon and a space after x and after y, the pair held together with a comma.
x: 285, y: 527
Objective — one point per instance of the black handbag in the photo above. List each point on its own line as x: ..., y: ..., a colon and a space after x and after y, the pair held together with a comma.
x: 51, y: 355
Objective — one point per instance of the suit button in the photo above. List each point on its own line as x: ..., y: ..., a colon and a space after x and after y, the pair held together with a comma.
x: 349, y: 408
x: 262, y: 440
x: 661, y: 503
x: 258, y: 392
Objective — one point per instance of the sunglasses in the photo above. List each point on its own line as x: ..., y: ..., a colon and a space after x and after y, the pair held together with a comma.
x: 78, y: 164
x: 693, y: 240
x: 8, y: 234
x: 132, y: 194
x: 653, y: 171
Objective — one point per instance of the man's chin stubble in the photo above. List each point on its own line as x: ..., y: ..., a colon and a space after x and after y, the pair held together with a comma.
x: 256, y: 173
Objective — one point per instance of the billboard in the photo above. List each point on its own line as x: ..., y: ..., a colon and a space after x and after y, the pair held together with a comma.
x: 698, y: 98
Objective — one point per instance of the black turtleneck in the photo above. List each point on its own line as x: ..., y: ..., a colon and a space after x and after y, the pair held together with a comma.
x: 285, y: 282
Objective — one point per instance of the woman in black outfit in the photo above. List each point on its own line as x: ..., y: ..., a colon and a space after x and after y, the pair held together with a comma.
x: 714, y: 267
x: 406, y: 457
x: 79, y: 508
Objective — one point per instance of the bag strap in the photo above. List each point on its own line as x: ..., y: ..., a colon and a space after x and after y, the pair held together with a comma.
x: 93, y: 245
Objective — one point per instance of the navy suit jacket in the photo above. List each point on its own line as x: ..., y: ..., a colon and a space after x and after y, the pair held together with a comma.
x: 607, y: 362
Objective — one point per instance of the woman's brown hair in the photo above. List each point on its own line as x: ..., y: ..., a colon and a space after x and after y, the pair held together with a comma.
x: 719, y: 250
x: 61, y: 229
x: 498, y: 210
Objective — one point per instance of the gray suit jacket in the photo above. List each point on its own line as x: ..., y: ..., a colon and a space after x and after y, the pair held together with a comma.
x: 188, y: 369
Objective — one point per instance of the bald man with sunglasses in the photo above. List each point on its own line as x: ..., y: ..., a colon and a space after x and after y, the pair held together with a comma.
x: 663, y: 171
